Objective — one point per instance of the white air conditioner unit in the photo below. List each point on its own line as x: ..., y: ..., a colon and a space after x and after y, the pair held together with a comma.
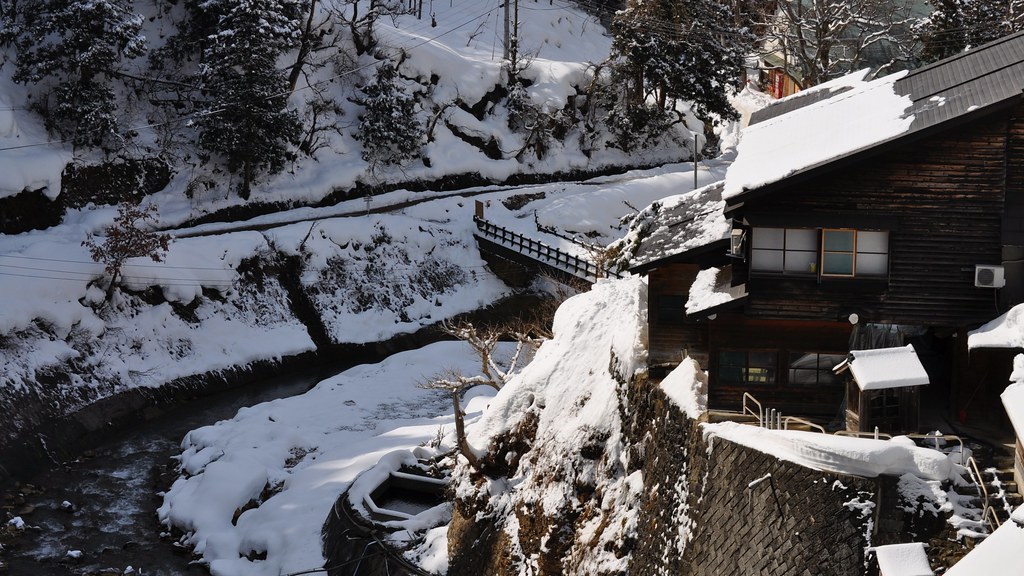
x: 736, y: 238
x: 989, y: 276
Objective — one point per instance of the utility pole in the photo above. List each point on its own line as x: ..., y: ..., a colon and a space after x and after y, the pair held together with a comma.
x: 504, y: 45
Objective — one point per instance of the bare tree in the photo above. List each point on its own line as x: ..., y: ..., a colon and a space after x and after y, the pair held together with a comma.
x: 821, y: 39
x: 495, y: 373
x: 129, y: 236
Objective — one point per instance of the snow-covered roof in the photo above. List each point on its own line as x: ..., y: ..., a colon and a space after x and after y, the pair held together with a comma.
x: 887, y: 368
x: 1013, y: 397
x: 677, y: 227
x: 712, y: 288
x: 998, y: 554
x: 903, y: 560
x: 1006, y: 331
x: 821, y: 131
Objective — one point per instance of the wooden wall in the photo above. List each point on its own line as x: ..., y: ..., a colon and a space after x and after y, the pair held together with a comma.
x: 670, y: 332
x: 947, y: 194
x: 736, y: 332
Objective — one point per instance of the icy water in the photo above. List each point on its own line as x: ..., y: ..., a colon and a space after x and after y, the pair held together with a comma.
x: 113, y: 492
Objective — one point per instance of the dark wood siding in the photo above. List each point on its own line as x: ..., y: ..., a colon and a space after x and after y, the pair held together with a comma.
x: 947, y: 196
x: 736, y: 332
x: 669, y: 332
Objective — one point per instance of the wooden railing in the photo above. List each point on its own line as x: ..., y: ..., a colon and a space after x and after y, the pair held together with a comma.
x: 541, y: 252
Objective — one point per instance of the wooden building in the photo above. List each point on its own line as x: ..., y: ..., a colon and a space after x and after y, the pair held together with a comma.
x: 888, y: 211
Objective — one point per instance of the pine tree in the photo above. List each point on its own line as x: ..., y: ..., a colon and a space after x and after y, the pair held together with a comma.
x: 943, y: 33
x: 246, y: 120
x: 956, y: 25
x: 389, y: 128
x: 671, y: 50
x: 70, y: 51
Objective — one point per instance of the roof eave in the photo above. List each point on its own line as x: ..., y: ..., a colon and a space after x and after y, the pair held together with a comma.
x: 691, y: 256
x: 735, y: 202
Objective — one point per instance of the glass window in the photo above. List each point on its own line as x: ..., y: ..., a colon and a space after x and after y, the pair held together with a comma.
x: 813, y: 369
x: 741, y: 368
x: 791, y: 251
x: 837, y: 249
x: 854, y: 253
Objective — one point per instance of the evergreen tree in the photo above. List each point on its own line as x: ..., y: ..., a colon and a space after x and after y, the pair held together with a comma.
x: 70, y: 51
x: 666, y: 50
x: 246, y: 120
x: 956, y: 25
x: 389, y: 128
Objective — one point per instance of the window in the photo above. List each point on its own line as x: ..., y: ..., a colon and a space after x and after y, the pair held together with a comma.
x: 671, y: 310
x: 786, y: 250
x: 852, y: 253
x: 832, y: 252
x: 741, y: 368
x: 813, y: 369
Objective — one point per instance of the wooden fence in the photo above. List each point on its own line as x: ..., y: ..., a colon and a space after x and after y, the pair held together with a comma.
x: 541, y: 252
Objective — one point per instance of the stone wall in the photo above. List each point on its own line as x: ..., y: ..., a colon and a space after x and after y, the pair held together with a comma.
x: 703, y: 518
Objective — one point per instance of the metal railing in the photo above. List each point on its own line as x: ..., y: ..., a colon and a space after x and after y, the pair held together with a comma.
x: 988, y: 513
x: 796, y: 419
x: 760, y: 409
x: 958, y: 439
x: 541, y: 252
x: 876, y: 435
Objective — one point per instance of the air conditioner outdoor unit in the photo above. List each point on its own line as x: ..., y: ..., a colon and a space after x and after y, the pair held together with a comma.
x: 736, y: 242
x: 989, y: 276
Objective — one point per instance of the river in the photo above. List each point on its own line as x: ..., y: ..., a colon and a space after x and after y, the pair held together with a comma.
x: 113, y: 490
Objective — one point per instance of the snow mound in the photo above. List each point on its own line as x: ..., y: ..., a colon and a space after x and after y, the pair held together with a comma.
x: 842, y: 455
x: 572, y: 389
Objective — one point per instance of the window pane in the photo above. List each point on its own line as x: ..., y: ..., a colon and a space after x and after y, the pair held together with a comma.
x: 801, y: 261
x: 877, y: 242
x: 770, y: 260
x: 766, y: 359
x: 732, y: 358
x: 841, y: 264
x: 839, y: 240
x: 872, y: 264
x: 802, y: 240
x: 768, y: 238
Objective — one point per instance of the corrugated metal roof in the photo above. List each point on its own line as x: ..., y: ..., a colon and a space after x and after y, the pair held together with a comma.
x: 941, y: 92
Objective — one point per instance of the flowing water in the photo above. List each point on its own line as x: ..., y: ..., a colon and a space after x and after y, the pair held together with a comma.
x: 113, y: 495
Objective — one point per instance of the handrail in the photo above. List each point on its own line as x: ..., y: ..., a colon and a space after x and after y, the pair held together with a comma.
x: 979, y: 483
x: 540, y: 251
x: 990, y: 512
x: 786, y: 420
x: 943, y: 437
x: 760, y: 409
x: 874, y: 435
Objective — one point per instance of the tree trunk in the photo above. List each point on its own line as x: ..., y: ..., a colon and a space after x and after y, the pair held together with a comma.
x: 113, y: 283
x: 305, y: 46
x: 460, y: 432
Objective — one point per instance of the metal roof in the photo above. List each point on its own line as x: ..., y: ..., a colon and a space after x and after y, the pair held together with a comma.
x: 947, y: 90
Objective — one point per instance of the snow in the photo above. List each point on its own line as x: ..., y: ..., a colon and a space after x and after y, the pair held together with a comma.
x: 996, y: 555
x: 305, y: 451
x: 687, y: 386
x: 708, y: 291
x: 869, y: 113
x: 903, y: 560
x: 572, y: 388
x: 842, y: 455
x: 1006, y: 331
x: 887, y: 368
x: 1013, y: 397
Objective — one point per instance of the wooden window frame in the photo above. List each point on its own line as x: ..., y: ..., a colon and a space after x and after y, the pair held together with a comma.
x: 853, y: 254
x: 774, y: 380
x: 784, y: 250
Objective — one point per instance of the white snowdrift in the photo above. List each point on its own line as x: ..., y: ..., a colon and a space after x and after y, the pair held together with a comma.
x: 687, y: 387
x: 842, y: 455
x: 1006, y: 331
